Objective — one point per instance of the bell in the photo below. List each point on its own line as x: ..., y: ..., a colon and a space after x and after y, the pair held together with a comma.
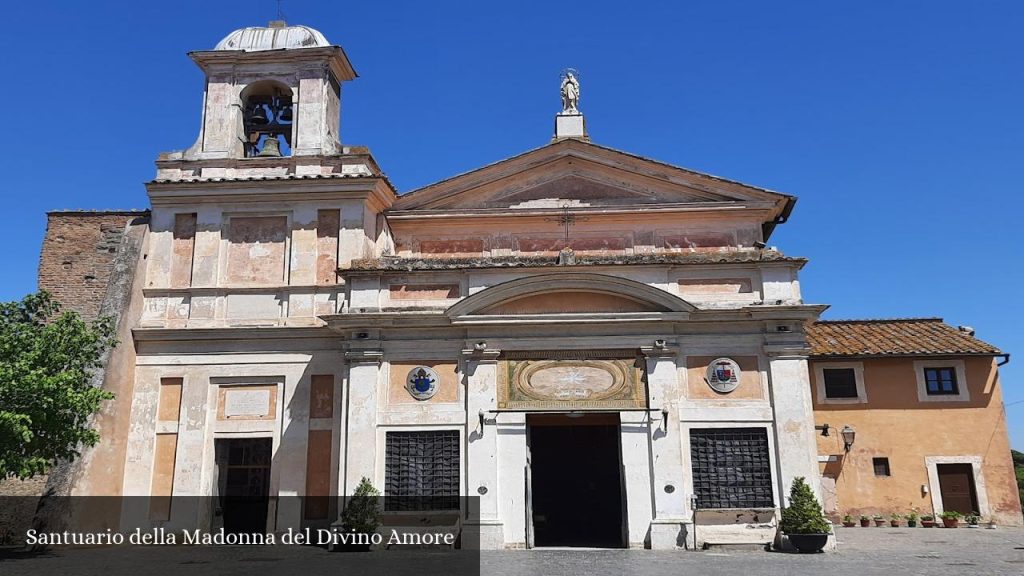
x: 259, y: 115
x: 271, y: 147
x: 286, y: 114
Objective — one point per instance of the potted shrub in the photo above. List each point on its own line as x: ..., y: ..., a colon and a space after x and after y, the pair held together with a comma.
x: 927, y: 521
x: 865, y: 521
x: 951, y: 518
x: 973, y: 519
x: 803, y: 521
x: 848, y: 521
x: 912, y: 520
x: 360, y: 515
x: 879, y: 520
x: 894, y: 520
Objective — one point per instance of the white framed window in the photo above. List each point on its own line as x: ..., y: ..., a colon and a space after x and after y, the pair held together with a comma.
x: 941, y: 381
x: 840, y: 383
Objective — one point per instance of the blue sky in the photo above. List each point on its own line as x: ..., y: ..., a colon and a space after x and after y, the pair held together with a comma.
x: 900, y: 125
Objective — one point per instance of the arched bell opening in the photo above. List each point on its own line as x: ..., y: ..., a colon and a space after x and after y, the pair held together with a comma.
x: 267, y: 117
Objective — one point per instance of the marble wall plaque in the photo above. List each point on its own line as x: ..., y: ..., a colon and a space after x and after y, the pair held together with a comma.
x: 246, y: 403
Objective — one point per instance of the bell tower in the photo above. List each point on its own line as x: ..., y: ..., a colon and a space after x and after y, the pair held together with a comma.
x: 271, y: 92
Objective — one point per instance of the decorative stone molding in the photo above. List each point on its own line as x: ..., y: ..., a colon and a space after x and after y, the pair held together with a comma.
x: 601, y: 283
x: 364, y: 356
x: 485, y: 355
x: 666, y: 350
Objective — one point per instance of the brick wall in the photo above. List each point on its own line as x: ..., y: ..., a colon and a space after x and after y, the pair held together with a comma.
x: 78, y: 252
x: 77, y: 257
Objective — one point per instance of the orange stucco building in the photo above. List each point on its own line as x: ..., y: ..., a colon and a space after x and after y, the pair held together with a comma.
x: 925, y: 402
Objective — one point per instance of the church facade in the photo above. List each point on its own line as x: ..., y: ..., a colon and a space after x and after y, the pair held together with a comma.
x: 599, y: 348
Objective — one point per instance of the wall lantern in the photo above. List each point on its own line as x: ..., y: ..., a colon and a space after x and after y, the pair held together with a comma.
x: 849, y: 434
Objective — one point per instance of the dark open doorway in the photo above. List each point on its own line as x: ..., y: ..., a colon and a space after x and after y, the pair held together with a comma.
x: 956, y: 485
x: 244, y: 483
x: 576, y: 480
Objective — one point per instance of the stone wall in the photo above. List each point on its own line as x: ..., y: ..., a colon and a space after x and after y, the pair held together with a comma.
x: 78, y: 255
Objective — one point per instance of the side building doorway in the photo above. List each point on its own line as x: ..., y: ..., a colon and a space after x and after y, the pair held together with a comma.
x: 243, y: 483
x: 956, y: 484
x: 576, y: 488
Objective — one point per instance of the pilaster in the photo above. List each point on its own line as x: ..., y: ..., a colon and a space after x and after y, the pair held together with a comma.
x: 667, y: 526
x: 361, y: 450
x: 481, y: 371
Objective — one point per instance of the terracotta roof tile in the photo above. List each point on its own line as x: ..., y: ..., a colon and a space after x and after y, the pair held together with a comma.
x: 894, y: 337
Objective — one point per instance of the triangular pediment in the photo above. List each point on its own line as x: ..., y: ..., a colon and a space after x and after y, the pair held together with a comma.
x: 581, y: 174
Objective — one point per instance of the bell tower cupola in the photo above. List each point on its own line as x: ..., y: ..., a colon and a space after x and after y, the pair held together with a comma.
x: 271, y: 91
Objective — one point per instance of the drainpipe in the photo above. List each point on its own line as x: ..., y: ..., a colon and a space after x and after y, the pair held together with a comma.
x: 1005, y: 359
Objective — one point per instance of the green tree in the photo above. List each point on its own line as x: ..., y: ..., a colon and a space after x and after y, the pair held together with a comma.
x: 362, y: 509
x: 803, y: 515
x: 47, y: 361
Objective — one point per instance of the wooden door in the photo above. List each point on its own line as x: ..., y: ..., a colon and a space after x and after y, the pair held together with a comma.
x: 956, y: 485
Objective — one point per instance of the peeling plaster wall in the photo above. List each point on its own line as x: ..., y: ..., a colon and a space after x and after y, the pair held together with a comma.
x: 245, y: 266
x: 595, y: 234
x: 974, y: 429
x: 287, y: 373
x: 715, y: 286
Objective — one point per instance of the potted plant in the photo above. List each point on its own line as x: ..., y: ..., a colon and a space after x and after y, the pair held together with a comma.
x: 848, y: 521
x: 803, y: 521
x: 972, y: 520
x: 927, y: 521
x: 951, y: 518
x: 360, y: 515
x: 879, y: 520
x: 865, y: 521
x: 912, y: 520
x: 894, y: 520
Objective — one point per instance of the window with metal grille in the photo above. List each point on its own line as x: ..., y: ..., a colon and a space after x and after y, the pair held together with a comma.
x: 940, y: 381
x: 881, y: 466
x: 840, y: 382
x: 421, y: 470
x: 731, y: 468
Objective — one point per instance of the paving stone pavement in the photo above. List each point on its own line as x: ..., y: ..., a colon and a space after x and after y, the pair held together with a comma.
x: 862, y: 551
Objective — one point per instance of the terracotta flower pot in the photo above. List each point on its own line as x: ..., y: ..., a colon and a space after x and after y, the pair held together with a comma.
x: 950, y: 522
x: 849, y: 524
x: 894, y: 523
x: 927, y: 523
x: 879, y: 523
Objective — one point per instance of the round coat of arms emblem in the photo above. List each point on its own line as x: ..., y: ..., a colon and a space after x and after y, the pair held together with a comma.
x: 421, y: 382
x: 723, y: 375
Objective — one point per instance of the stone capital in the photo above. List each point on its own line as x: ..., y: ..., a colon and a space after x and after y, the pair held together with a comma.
x: 787, y: 352
x: 661, y: 349
x: 481, y: 355
x: 364, y: 356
